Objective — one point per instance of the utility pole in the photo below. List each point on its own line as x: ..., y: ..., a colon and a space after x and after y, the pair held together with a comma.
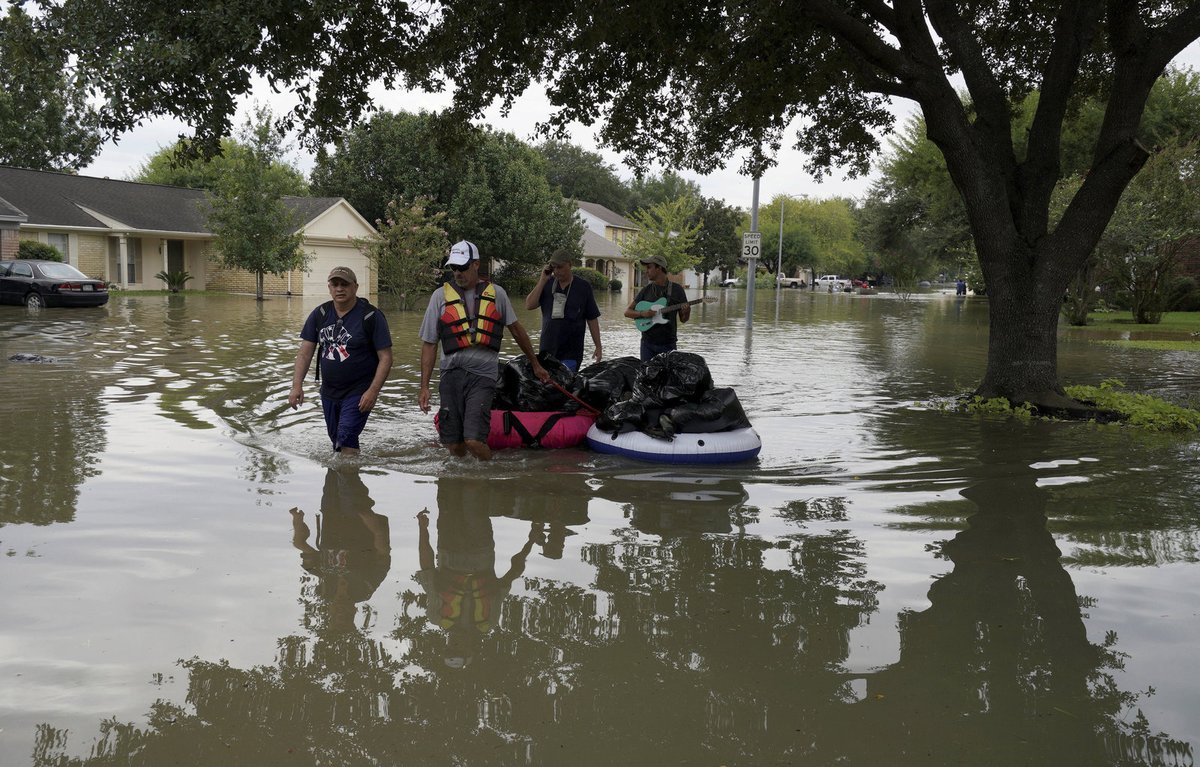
x: 751, y: 255
x: 779, y: 258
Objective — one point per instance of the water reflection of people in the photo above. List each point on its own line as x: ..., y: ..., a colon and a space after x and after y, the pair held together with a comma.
x: 351, y: 554
x: 463, y: 594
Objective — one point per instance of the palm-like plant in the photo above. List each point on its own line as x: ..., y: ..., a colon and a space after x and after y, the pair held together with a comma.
x: 174, y: 280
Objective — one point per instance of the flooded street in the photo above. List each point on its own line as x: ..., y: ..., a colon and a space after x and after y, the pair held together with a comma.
x: 887, y: 584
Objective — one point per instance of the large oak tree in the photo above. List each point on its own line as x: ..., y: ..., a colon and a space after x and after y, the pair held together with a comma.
x: 691, y: 82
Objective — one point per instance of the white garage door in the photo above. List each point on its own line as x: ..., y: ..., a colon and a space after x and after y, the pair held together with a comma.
x: 328, y: 256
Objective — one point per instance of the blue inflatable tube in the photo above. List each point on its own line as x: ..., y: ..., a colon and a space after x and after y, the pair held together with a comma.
x: 712, y: 447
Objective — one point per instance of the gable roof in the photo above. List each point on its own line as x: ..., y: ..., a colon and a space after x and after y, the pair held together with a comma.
x: 606, y: 215
x: 62, y: 200
x: 595, y: 245
x: 10, y: 212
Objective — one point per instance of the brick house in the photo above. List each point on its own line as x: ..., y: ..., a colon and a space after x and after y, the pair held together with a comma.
x: 126, y: 232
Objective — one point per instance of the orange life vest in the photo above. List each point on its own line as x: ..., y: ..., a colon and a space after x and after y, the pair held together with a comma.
x: 467, y: 601
x: 454, y: 326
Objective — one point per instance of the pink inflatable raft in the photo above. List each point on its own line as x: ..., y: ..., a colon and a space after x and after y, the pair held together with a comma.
x: 556, y: 429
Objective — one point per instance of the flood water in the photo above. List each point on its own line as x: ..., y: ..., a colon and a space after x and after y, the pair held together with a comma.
x: 189, y: 577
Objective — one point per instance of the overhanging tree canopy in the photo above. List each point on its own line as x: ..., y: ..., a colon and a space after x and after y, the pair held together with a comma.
x: 692, y: 82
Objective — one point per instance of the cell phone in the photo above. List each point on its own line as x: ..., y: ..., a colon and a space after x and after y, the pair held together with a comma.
x: 549, y: 270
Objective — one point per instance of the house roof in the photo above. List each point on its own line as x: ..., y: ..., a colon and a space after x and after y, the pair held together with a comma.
x: 606, y: 215
x: 596, y: 246
x: 10, y: 212
x: 62, y: 200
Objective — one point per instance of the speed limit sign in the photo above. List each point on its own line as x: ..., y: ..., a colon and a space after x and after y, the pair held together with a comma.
x: 751, y: 245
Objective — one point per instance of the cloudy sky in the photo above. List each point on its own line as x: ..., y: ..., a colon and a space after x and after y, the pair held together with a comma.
x: 122, y: 159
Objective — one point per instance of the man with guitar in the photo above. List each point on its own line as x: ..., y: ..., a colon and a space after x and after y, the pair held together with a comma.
x: 663, y: 303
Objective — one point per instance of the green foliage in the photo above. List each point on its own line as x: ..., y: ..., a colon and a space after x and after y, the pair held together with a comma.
x: 665, y: 231
x: 46, y: 122
x: 817, y: 234
x: 38, y: 251
x: 914, y: 221
x: 1140, y: 410
x: 178, y: 166
x: 407, y: 251
x: 615, y: 286
x: 1184, y: 296
x: 648, y: 191
x: 174, y: 280
x: 718, y: 242
x: 505, y: 206
x: 491, y: 186
x: 597, y: 280
x: 1139, y: 253
x: 582, y: 175
x: 998, y: 406
x: 251, y: 226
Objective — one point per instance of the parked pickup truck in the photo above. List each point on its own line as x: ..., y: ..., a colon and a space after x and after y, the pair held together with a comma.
x: 832, y: 283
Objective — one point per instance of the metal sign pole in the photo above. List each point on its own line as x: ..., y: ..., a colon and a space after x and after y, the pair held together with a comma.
x: 752, y: 259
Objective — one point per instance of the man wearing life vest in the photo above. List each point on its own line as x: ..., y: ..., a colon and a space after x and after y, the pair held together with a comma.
x: 467, y: 317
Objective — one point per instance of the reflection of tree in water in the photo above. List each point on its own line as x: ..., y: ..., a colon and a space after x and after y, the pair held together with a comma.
x: 696, y: 648
x: 1001, y: 657
x: 54, y: 434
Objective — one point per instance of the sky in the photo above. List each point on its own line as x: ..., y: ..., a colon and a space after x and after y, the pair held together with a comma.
x: 123, y: 158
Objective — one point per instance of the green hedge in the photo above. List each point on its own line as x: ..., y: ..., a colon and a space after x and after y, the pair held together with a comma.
x: 38, y: 251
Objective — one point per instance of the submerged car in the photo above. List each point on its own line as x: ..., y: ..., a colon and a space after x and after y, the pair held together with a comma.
x: 49, y: 283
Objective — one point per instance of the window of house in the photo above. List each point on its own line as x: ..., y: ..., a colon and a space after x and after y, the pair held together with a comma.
x: 133, y: 255
x: 62, y: 242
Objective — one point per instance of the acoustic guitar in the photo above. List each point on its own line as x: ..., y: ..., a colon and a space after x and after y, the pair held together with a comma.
x: 645, y: 323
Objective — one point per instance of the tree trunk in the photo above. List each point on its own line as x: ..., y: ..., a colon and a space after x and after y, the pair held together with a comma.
x: 1023, y: 346
x: 258, y: 283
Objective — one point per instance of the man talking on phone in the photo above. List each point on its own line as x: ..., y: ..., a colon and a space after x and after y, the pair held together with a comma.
x: 568, y: 305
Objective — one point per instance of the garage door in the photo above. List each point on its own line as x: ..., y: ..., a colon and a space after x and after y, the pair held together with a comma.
x: 328, y: 256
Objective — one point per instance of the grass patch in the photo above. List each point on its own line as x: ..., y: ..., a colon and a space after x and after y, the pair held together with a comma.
x: 1162, y: 346
x: 1172, y: 322
x: 1119, y: 407
x: 1140, y: 410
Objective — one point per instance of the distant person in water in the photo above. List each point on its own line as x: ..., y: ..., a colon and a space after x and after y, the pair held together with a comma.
x: 568, y: 306
x: 354, y: 356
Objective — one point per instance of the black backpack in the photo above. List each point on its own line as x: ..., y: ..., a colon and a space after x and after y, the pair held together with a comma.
x: 368, y: 326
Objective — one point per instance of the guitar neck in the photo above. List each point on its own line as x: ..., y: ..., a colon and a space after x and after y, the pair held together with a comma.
x: 674, y: 307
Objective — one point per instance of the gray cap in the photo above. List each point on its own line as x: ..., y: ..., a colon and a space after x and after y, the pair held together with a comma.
x: 342, y: 273
x: 656, y: 260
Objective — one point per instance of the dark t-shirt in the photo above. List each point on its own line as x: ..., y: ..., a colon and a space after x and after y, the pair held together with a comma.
x: 347, y: 358
x: 564, y: 337
x: 662, y: 334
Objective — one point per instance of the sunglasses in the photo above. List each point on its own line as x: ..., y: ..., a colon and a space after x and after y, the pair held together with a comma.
x: 460, y: 267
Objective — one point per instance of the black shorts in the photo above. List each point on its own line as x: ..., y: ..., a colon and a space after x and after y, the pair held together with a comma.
x: 465, y: 406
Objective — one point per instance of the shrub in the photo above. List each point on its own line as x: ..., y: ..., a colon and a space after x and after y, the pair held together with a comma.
x: 38, y: 250
x: 614, y: 286
x: 175, y: 280
x: 599, y: 281
x: 1184, y: 296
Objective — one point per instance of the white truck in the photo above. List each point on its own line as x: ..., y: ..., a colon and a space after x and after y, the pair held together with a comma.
x: 832, y: 283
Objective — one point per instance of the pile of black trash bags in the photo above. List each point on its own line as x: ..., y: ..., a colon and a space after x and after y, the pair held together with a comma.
x: 673, y: 393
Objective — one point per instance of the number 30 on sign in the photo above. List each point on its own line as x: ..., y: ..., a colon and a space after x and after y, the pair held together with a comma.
x: 751, y: 245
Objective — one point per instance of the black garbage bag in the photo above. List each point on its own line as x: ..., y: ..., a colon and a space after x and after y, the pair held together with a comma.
x: 519, y: 389
x: 631, y: 415
x: 607, y: 382
x: 673, y: 377
x: 718, y: 410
